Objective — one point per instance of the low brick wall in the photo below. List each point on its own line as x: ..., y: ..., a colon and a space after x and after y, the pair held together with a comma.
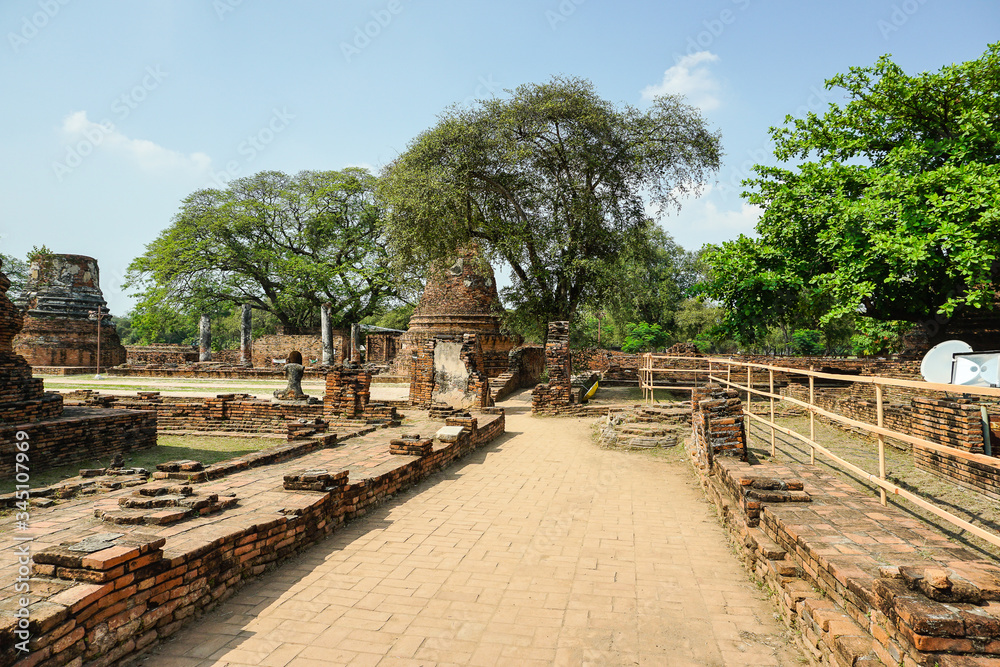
x: 848, y: 576
x: 80, y: 434
x: 160, y: 354
x: 277, y: 346
x: 121, y: 600
x: 974, y: 471
x: 230, y: 413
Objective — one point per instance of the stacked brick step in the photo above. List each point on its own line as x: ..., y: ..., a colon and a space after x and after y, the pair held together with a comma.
x: 443, y: 411
x: 315, y: 480
x: 161, y: 505
x: 303, y: 429
x: 410, y: 445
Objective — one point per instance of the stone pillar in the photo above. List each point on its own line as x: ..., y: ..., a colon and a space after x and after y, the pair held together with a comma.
x: 205, y: 338
x: 327, y: 334
x: 356, y: 343
x: 246, y: 335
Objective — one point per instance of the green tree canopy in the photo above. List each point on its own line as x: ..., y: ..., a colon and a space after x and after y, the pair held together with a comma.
x: 892, y: 212
x: 550, y: 180
x: 284, y: 244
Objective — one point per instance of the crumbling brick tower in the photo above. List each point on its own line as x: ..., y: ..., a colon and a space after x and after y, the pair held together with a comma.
x: 460, y: 299
x: 56, y: 437
x: 22, y: 397
x: 558, y: 391
x: 59, y: 296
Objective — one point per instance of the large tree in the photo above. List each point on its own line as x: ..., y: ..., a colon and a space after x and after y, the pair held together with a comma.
x: 551, y: 180
x: 890, y: 210
x: 284, y: 244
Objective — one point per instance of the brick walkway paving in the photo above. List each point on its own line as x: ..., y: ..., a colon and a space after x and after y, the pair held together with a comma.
x: 540, y: 549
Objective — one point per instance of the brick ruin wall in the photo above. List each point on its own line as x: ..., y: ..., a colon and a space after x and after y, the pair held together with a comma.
x: 79, y: 435
x: 65, y: 342
x: 226, y: 413
x: 492, y: 355
x: 160, y: 354
x: 524, y: 368
x: 557, y: 392
x: 381, y: 348
x: 277, y: 346
x: 717, y: 424
x: 104, y: 610
x: 423, y: 383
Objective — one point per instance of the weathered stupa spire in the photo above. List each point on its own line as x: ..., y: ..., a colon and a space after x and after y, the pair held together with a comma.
x: 459, y: 298
x: 60, y: 294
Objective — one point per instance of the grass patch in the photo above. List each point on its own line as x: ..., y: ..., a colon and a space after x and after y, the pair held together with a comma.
x: 634, y: 395
x: 207, y: 449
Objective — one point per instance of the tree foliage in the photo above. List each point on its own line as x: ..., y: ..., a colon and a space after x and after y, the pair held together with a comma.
x: 284, y: 244
x: 892, y: 212
x: 644, y: 337
x: 647, y: 280
x: 550, y: 180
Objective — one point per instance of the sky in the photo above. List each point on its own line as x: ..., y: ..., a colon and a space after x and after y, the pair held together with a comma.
x: 113, y: 112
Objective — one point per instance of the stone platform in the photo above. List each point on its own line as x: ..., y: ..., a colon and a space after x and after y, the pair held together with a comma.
x: 866, y: 584
x: 149, y: 576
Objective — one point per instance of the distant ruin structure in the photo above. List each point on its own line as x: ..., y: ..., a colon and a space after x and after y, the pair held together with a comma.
x: 57, y: 436
x: 61, y: 293
x: 460, y: 299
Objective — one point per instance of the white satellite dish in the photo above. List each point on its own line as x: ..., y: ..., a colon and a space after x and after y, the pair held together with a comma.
x: 977, y: 369
x: 938, y: 362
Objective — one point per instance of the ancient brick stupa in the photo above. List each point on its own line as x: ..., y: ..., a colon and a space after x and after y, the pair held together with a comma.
x: 60, y: 294
x: 57, y: 436
x: 22, y: 397
x: 459, y: 299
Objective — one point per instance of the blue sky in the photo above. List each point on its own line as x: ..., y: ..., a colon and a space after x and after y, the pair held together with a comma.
x: 113, y: 112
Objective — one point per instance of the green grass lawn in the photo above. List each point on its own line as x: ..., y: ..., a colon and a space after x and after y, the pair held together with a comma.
x: 207, y: 449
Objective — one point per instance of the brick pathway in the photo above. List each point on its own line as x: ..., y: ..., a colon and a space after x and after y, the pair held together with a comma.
x: 540, y: 549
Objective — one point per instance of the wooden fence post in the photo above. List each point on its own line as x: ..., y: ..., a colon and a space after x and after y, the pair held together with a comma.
x: 812, y: 417
x: 749, y: 403
x: 881, y: 440
x: 770, y: 374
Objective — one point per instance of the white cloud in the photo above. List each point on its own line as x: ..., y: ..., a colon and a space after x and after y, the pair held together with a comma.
x: 738, y: 222
x: 691, y: 78
x: 145, y: 153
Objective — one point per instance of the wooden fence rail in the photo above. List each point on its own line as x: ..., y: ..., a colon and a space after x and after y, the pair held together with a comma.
x: 712, y: 371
